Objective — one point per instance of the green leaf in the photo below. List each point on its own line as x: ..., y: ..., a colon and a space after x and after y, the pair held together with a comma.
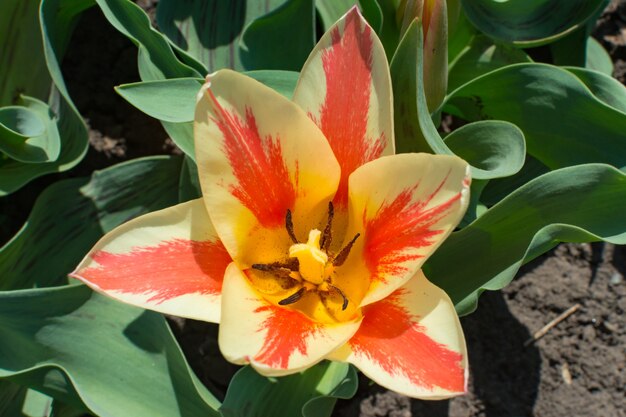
x: 12, y: 398
x: 563, y: 122
x: 284, y: 82
x: 416, y: 132
x: 598, y: 58
x: 390, y: 32
x: 21, y: 55
x: 28, y: 132
x: 189, y: 183
x: 481, y: 56
x: 527, y: 23
x: 604, y: 87
x: 499, y: 188
x: 571, y: 49
x: 56, y: 18
x: 460, y: 36
x: 210, y: 30
x: 119, y: 360
x: 493, y: 146
x: 156, y: 60
x: 311, y: 393
x: 281, y: 39
x: 576, y: 204
x: 172, y: 100
x: 46, y: 249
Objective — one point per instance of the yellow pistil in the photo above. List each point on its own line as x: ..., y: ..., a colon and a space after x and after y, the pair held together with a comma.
x: 311, y: 258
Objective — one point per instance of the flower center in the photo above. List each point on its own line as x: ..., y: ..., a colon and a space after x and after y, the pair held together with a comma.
x: 312, y: 261
x: 309, y: 268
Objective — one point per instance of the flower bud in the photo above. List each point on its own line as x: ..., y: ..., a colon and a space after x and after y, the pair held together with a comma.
x: 433, y: 15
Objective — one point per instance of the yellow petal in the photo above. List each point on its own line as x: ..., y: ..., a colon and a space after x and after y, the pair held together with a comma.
x: 345, y: 87
x: 274, y: 340
x: 404, y: 206
x: 411, y: 342
x: 258, y: 156
x: 169, y: 261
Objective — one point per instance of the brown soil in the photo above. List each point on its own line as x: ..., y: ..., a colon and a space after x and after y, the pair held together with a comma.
x: 576, y: 369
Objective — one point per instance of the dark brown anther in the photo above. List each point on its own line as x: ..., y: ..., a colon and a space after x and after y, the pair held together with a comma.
x: 345, y: 299
x: 291, y: 264
x: 289, y: 227
x: 343, y: 254
x: 327, y: 235
x: 292, y: 298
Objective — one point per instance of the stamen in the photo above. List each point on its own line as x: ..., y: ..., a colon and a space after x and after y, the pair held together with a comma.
x: 345, y: 299
x: 343, y: 254
x: 291, y: 264
x: 327, y: 236
x: 292, y: 298
x: 289, y: 227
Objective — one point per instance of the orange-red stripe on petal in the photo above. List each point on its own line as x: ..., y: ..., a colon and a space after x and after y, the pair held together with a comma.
x: 275, y: 340
x: 344, y: 112
x: 263, y: 182
x: 168, y: 270
x: 286, y: 334
x: 393, y: 339
x: 345, y: 88
x: 404, y: 206
x: 400, y: 226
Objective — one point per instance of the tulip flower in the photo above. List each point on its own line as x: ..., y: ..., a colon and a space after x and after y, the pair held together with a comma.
x: 310, y: 234
x: 434, y: 17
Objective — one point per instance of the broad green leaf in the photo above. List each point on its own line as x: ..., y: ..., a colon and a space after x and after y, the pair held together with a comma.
x: 389, y: 32
x: 210, y: 30
x: 172, y: 100
x: 19, y: 401
x: 416, y: 132
x: 156, y: 60
x: 189, y: 183
x: 563, y: 122
x: 311, y: 393
x: 12, y: 398
x: 481, y: 56
x: 71, y: 215
x: 21, y: 53
x: 281, y: 39
x: 460, y: 37
x: 598, y: 58
x: 56, y: 18
x: 28, y: 132
x: 571, y: 49
x: 117, y: 359
x: 583, y: 203
x: 527, y: 23
x: 284, y: 82
x: 604, y: 87
x: 499, y: 188
x: 492, y: 146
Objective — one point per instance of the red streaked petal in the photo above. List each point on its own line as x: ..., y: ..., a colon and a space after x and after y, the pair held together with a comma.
x: 404, y: 206
x: 274, y: 340
x: 258, y: 156
x: 345, y: 87
x: 169, y: 261
x: 411, y: 342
